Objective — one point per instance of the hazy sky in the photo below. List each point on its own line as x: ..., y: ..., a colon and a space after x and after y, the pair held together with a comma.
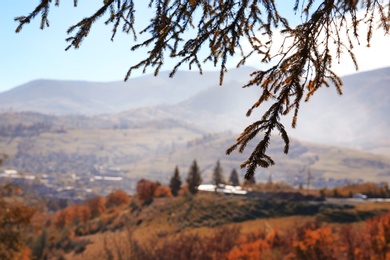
x: 36, y: 54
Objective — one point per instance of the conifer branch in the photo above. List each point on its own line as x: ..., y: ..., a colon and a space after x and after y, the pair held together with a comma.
x: 42, y: 8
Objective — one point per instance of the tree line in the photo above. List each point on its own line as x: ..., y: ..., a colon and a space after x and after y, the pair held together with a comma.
x: 147, y: 190
x: 194, y: 178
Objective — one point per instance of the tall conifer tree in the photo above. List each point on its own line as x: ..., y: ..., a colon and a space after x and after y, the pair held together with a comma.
x: 194, y: 179
x: 233, y: 179
x: 175, y: 183
x: 218, y: 174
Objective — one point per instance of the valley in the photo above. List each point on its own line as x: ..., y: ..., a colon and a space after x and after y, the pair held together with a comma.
x: 146, y: 127
x: 77, y: 156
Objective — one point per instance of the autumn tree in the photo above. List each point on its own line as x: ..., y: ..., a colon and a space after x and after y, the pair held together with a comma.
x: 14, y: 220
x: 198, y: 31
x: 175, y: 183
x: 97, y: 206
x: 194, y: 179
x: 83, y: 213
x: 316, y: 243
x: 63, y: 218
x: 146, y: 189
x: 117, y: 199
x: 218, y: 174
x: 233, y: 179
x: 162, y: 192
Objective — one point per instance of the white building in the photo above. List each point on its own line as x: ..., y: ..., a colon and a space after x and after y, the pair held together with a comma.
x: 222, y: 188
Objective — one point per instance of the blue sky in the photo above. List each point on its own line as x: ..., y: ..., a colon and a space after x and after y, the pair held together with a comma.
x: 36, y: 54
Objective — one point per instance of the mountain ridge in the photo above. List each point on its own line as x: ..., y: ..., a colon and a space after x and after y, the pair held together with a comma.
x: 92, y: 98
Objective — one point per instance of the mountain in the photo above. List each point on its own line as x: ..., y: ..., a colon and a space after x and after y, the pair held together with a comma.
x: 359, y: 118
x: 218, y: 108
x: 91, y: 98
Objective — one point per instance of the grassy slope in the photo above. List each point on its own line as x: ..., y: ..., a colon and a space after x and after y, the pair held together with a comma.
x: 167, y: 218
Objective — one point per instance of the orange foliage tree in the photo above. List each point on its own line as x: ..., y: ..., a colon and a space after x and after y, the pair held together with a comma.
x: 14, y: 220
x: 315, y: 244
x: 314, y: 240
x: 184, y: 190
x: 256, y: 245
x: 97, y: 206
x: 378, y: 237
x: 191, y: 246
x: 252, y: 250
x: 117, y: 199
x: 162, y: 191
x: 62, y: 218
x: 83, y: 213
x: 146, y: 189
